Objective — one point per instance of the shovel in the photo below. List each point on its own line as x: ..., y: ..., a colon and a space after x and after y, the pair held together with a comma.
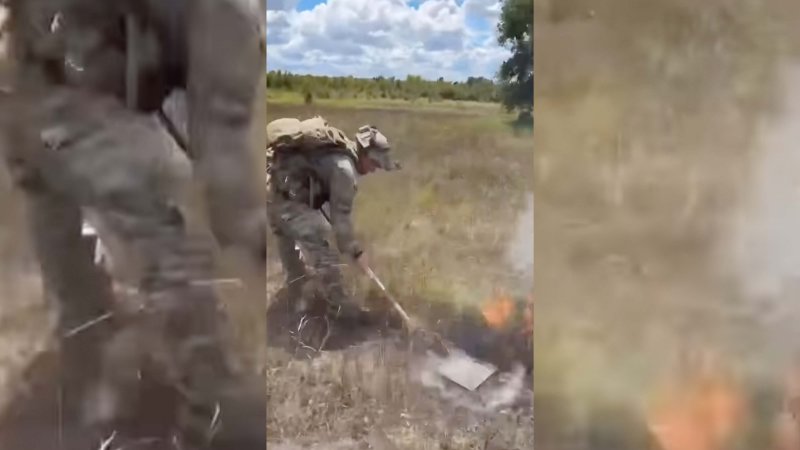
x: 457, y: 366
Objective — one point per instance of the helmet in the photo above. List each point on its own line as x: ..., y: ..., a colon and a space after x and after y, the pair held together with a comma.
x: 376, y: 146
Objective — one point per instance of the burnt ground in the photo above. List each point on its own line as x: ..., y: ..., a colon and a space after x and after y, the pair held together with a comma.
x: 375, y: 387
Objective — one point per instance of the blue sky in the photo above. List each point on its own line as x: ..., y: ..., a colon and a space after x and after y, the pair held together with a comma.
x: 454, y: 39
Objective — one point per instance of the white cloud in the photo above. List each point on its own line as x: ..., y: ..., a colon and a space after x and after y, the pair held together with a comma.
x: 386, y: 37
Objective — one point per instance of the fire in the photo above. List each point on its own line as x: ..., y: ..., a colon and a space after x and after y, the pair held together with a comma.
x: 498, y: 311
x: 700, y: 413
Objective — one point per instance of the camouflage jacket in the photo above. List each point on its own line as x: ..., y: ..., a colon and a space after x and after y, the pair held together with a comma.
x: 141, y: 50
x: 318, y: 178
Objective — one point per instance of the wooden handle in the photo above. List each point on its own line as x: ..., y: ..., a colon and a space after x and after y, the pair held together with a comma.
x: 406, y: 318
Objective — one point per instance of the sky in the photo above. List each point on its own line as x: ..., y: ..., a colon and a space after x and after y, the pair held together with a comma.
x: 453, y: 39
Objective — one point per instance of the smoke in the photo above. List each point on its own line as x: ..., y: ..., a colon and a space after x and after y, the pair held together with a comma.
x: 763, y: 248
x: 499, y: 392
x: 520, y: 248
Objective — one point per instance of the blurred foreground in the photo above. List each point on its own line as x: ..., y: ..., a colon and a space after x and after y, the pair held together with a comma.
x: 667, y: 201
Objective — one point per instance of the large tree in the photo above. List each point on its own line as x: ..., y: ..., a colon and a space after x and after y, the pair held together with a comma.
x: 516, y: 74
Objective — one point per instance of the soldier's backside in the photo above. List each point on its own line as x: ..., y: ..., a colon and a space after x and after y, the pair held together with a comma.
x: 88, y: 75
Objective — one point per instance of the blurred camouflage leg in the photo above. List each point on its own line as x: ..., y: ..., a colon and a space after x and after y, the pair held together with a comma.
x: 81, y: 292
x: 124, y: 168
x: 177, y: 338
x: 294, y: 268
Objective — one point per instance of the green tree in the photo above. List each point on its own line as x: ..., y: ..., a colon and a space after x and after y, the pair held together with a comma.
x: 516, y: 74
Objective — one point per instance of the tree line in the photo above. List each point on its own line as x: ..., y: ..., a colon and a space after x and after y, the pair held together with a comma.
x: 413, y: 87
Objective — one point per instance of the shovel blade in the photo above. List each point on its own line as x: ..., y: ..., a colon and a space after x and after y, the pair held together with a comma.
x: 465, y: 370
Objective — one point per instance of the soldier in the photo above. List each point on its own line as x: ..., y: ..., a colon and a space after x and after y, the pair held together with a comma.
x: 301, y: 182
x: 80, y: 136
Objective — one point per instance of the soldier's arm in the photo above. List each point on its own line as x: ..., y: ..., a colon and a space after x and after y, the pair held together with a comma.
x: 342, y: 196
x: 225, y: 71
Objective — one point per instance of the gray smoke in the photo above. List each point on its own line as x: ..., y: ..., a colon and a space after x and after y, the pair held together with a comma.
x: 500, y: 391
x: 763, y: 248
x: 520, y: 248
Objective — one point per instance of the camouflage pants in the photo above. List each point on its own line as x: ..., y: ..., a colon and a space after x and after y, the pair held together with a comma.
x: 126, y: 169
x: 295, y: 223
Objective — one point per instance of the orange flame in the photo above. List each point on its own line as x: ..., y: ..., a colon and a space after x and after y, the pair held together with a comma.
x: 498, y: 311
x: 699, y: 414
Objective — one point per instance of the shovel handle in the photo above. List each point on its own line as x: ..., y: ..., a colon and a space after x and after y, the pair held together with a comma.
x: 410, y: 324
x: 395, y: 304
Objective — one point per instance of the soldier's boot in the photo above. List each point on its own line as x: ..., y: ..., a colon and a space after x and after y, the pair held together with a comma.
x: 221, y: 409
x: 116, y: 405
x: 177, y: 354
x: 161, y: 382
x: 178, y: 343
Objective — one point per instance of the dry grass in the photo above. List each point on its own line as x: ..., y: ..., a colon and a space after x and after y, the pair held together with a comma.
x: 438, y: 233
x: 366, y: 389
x: 644, y: 136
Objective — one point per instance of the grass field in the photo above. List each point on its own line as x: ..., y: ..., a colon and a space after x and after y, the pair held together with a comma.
x: 439, y: 232
x: 280, y: 97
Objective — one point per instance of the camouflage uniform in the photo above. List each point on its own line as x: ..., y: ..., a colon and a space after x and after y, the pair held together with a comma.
x: 301, y: 183
x: 73, y: 144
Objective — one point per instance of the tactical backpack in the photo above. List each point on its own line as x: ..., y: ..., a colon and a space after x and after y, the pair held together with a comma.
x: 293, y: 135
